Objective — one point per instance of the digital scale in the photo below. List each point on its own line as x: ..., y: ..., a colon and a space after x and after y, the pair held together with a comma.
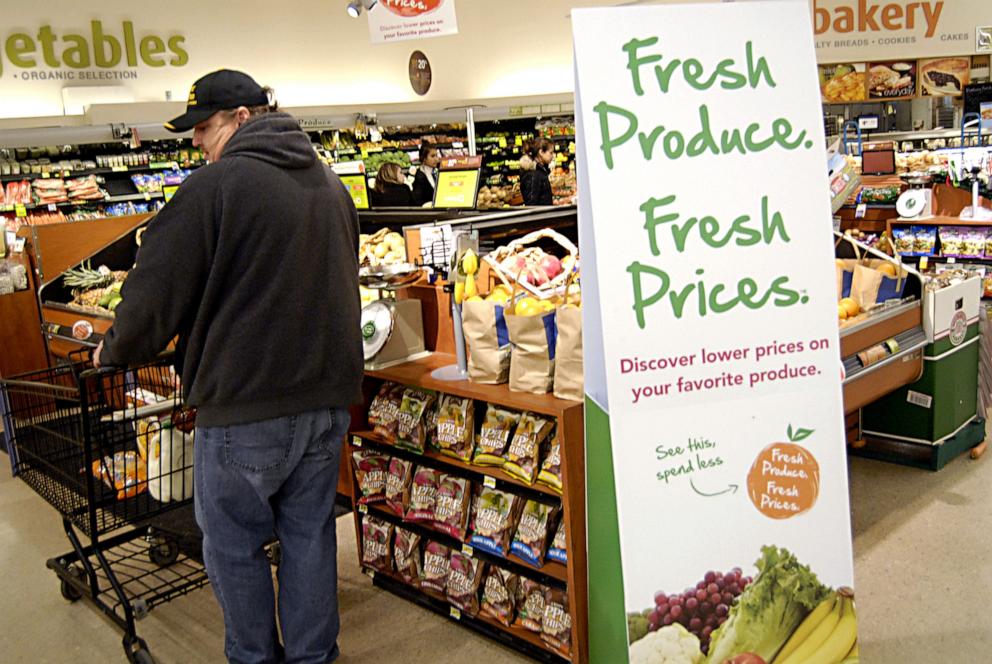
x: 392, y: 329
x: 917, y: 201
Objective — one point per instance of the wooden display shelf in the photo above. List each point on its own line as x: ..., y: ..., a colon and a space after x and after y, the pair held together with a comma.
x: 419, y: 374
x: 552, y: 573
x: 441, y: 607
x: 569, y: 419
x: 476, y: 473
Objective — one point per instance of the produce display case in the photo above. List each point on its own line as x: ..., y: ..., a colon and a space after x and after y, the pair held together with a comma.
x: 569, y: 577
x: 898, y: 323
x: 59, y: 313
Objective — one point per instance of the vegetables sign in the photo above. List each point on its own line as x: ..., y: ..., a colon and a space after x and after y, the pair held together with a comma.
x: 714, y: 425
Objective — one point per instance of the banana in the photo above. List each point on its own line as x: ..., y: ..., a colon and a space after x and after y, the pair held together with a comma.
x: 805, y: 628
x: 835, y: 648
x: 811, y: 643
x: 855, y: 651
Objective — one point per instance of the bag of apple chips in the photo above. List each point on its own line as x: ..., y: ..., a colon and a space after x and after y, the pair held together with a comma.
x: 437, y: 566
x: 371, y: 469
x: 530, y: 605
x: 495, y: 517
x: 376, y: 536
x: 522, y: 458
x: 454, y: 498
x: 463, y: 583
x: 406, y: 556
x: 556, y: 627
x: 423, y: 495
x: 456, y: 427
x: 494, y: 436
x: 398, y: 481
x: 558, y: 551
x: 550, y: 474
x: 431, y: 420
x: 411, y: 422
x: 499, y: 595
x: 531, y: 540
x: 388, y: 420
x: 378, y: 403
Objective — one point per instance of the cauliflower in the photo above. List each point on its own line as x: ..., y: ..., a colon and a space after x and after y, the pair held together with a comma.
x: 669, y: 645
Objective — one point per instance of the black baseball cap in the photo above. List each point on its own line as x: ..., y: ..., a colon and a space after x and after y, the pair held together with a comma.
x: 217, y: 91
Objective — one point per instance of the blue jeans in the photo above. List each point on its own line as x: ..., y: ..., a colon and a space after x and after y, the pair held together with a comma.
x: 274, y: 477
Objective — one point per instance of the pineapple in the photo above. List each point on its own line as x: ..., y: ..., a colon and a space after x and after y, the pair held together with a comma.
x: 86, y: 278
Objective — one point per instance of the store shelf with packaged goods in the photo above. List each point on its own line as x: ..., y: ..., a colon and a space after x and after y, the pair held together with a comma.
x: 551, y: 574
x: 568, y: 417
x: 69, y: 174
x: 16, y: 207
x: 419, y: 373
x: 518, y: 638
x: 479, y: 474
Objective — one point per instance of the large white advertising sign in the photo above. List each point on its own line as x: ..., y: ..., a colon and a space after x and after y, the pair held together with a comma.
x: 706, y: 201
x: 399, y: 20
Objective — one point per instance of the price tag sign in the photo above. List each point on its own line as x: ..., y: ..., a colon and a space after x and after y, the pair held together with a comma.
x: 356, y: 441
x: 118, y: 169
x: 457, y: 145
x: 951, y: 260
x: 364, y: 509
x: 148, y: 196
x: 924, y: 262
x: 518, y: 140
x: 859, y: 212
x: 46, y: 175
x: 468, y: 550
x: 489, y: 482
x: 502, y: 141
x: 455, y: 613
x: 20, y: 210
x: 52, y: 207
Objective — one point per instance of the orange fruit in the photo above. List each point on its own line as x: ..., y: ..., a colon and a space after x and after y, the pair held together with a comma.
x: 850, y: 306
x: 841, y: 312
x: 887, y: 268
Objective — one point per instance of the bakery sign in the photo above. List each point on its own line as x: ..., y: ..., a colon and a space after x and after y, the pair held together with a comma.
x: 861, y: 30
x: 400, y: 20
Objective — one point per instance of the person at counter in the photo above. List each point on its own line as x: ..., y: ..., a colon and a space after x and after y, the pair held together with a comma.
x: 253, y: 264
x: 390, y: 188
x: 535, y: 180
x: 424, y: 181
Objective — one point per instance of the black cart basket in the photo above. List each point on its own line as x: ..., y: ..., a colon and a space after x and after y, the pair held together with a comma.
x: 112, y: 451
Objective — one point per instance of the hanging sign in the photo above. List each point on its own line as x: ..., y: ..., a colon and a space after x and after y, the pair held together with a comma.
x: 400, y: 20
x: 420, y: 73
x: 715, y: 442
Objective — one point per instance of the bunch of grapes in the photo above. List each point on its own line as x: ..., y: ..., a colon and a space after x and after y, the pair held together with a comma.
x: 700, y: 609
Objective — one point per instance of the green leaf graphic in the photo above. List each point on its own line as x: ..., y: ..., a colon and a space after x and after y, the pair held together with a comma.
x: 801, y: 434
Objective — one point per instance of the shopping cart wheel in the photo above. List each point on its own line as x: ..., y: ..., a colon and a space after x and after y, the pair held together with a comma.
x: 69, y: 591
x: 164, y: 553
x: 137, y: 651
x: 274, y: 553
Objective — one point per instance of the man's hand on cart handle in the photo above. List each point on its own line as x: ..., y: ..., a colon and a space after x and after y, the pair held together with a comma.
x: 96, y: 355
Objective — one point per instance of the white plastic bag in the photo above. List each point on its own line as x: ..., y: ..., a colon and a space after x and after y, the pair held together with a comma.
x: 170, y: 465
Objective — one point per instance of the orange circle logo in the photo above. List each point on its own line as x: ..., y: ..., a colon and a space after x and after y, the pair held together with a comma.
x: 784, y: 481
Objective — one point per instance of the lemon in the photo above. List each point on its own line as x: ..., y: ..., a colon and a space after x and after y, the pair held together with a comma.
x: 850, y: 306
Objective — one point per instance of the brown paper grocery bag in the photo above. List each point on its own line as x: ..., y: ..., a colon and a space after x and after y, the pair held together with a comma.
x: 488, y: 342
x: 532, y: 360
x: 568, y: 354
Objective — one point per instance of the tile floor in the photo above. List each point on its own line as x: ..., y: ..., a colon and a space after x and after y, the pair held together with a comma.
x: 921, y: 543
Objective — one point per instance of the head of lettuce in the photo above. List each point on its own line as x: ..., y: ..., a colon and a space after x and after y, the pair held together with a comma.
x: 769, y: 610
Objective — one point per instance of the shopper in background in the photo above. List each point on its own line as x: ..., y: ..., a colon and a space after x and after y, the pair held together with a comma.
x: 535, y: 183
x: 390, y: 188
x: 424, y: 180
x: 254, y: 265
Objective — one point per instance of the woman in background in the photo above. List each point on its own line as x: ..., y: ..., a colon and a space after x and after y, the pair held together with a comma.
x: 390, y: 188
x: 535, y: 184
x: 423, y: 181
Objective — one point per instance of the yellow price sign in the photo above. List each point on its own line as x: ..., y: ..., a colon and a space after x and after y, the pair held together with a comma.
x: 502, y: 141
x: 20, y: 210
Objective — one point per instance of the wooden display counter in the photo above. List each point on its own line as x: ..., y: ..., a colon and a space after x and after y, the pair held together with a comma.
x: 568, y: 416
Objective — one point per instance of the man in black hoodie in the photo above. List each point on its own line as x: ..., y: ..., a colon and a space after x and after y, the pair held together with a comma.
x: 253, y: 265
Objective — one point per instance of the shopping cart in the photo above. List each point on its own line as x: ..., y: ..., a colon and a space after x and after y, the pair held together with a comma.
x: 111, y: 450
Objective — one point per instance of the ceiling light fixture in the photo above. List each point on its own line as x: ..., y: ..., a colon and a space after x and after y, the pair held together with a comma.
x: 355, y: 7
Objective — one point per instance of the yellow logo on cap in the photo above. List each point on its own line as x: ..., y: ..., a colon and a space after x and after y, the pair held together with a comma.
x: 192, y: 96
